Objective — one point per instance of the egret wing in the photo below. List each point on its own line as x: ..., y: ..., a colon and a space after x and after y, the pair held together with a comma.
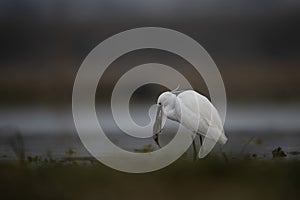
x: 198, y: 114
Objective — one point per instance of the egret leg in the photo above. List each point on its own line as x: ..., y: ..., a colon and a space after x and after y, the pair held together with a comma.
x: 200, y: 137
x: 195, y: 151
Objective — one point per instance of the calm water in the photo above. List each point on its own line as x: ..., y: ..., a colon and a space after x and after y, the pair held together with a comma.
x: 52, y: 130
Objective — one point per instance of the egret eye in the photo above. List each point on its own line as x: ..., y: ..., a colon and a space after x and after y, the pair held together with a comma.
x: 159, y: 103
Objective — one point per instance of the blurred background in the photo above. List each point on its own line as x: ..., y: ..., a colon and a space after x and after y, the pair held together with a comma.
x: 43, y: 43
x: 255, y: 44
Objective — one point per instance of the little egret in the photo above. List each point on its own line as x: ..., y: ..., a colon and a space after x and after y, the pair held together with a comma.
x: 192, y: 110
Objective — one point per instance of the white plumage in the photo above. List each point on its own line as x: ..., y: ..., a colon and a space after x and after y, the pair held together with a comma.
x: 194, y: 111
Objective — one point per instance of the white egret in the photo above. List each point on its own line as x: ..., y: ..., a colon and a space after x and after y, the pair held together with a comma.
x: 192, y: 110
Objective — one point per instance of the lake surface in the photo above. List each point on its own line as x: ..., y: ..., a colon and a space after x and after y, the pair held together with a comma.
x: 52, y: 130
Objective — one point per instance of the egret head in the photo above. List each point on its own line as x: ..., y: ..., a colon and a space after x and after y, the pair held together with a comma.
x: 164, y: 100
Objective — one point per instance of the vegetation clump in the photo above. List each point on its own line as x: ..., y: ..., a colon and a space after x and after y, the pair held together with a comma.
x: 278, y: 152
x: 145, y: 149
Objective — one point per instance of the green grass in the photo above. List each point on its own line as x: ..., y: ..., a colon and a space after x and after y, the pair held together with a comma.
x: 209, y: 178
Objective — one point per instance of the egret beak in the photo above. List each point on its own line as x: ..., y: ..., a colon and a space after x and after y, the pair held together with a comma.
x: 157, y: 128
